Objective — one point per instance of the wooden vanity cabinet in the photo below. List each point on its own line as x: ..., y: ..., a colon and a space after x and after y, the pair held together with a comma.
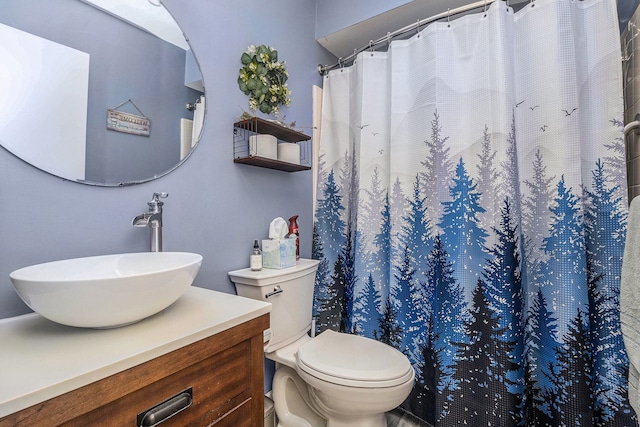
x: 225, y: 373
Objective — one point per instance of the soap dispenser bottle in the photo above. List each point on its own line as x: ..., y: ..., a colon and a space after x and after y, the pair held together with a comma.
x: 255, y: 260
x: 293, y: 229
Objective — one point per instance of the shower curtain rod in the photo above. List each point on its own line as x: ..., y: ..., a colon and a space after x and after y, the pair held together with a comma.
x: 322, y: 69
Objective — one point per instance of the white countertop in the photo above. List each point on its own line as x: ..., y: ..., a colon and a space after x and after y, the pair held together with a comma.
x: 40, y: 359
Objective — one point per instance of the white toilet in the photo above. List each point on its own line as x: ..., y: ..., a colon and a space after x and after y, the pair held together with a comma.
x: 333, y: 379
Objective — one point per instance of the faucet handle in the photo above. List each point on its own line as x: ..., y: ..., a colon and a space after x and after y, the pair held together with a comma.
x: 156, y: 196
x: 155, y: 205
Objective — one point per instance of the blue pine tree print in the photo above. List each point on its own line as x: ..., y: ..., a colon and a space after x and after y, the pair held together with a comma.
x: 398, y: 209
x: 369, y: 212
x: 372, y: 205
x: 332, y: 308
x: 573, y: 379
x: 503, y: 279
x: 322, y: 287
x: 541, y: 353
x: 449, y: 307
x: 565, y: 248
x: 536, y: 215
x: 604, y: 221
x: 330, y: 225
x: 382, y: 242
x: 481, y: 368
x: 366, y: 307
x: 488, y: 179
x: 416, y: 229
x: 425, y: 400
x: 350, y: 279
x: 438, y: 170
x: 462, y: 236
x: 404, y: 279
x: 389, y: 329
x: 349, y: 184
x: 511, y: 171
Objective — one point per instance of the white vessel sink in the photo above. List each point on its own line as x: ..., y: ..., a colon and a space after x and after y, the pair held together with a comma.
x: 106, y: 291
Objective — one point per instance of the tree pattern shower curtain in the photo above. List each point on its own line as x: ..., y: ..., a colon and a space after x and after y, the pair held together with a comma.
x: 471, y: 212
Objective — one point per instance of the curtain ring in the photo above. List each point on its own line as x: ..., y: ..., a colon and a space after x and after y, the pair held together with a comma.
x: 340, y: 63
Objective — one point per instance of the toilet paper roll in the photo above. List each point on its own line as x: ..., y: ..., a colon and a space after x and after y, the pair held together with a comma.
x: 263, y: 146
x: 289, y: 152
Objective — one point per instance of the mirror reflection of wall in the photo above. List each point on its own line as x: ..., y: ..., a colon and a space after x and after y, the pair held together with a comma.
x: 48, y: 103
x: 125, y: 63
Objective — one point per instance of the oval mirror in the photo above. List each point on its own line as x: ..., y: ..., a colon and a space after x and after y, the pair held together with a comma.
x: 101, y: 92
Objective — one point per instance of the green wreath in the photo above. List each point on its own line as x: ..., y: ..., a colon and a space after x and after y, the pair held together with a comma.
x: 264, y: 79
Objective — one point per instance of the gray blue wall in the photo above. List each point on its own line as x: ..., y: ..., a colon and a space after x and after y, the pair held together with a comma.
x: 335, y: 15
x: 215, y: 207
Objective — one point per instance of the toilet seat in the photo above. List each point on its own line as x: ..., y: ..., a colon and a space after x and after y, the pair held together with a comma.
x: 354, y: 361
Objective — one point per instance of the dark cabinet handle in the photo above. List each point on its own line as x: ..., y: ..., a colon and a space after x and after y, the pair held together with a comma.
x: 165, y: 410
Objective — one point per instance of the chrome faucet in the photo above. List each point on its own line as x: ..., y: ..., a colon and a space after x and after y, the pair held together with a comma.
x: 153, y: 220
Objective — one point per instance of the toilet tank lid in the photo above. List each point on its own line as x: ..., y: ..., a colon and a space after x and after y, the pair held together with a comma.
x: 269, y: 276
x: 353, y: 357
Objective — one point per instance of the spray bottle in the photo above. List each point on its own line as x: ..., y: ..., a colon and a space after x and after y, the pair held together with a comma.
x: 293, y: 229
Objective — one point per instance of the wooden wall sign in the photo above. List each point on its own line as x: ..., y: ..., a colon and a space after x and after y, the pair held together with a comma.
x: 128, y: 123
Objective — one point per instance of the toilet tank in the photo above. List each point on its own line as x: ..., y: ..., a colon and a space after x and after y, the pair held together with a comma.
x: 289, y: 290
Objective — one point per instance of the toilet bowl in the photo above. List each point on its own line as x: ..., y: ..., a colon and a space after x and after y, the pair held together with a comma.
x: 333, y: 379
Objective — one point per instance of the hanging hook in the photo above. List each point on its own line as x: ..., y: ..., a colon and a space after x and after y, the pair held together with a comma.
x: 371, y: 47
x: 485, y: 8
x: 388, y: 38
x: 418, y: 27
x: 449, y: 17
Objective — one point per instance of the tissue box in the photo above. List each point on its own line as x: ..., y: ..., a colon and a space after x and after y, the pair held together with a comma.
x: 278, y: 253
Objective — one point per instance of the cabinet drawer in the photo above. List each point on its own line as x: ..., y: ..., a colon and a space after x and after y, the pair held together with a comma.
x: 220, y: 383
x: 239, y: 417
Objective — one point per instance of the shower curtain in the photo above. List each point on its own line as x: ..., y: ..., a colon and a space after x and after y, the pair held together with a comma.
x: 471, y: 212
